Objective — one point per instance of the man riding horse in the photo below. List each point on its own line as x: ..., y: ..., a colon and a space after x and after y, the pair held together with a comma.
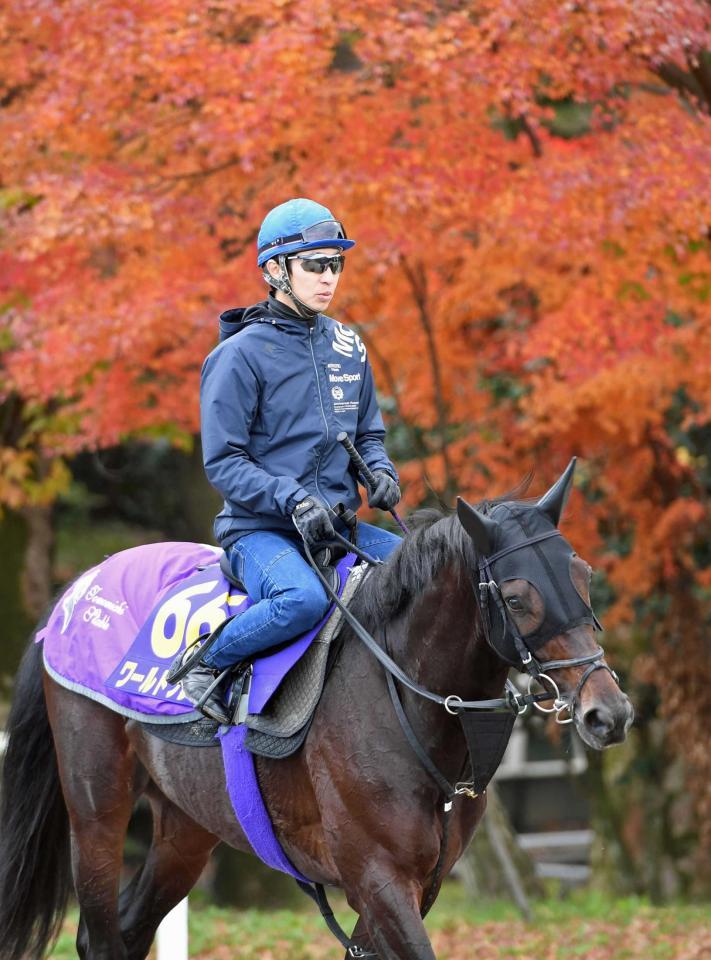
x: 283, y: 383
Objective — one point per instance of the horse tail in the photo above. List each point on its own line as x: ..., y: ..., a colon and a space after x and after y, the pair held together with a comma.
x: 35, y: 877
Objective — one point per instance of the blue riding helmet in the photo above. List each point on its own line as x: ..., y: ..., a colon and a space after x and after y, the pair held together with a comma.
x: 297, y: 225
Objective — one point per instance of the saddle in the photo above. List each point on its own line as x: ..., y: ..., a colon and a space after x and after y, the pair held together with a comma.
x: 275, y: 695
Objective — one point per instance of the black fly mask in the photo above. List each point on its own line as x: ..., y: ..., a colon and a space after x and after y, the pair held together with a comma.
x: 522, y: 542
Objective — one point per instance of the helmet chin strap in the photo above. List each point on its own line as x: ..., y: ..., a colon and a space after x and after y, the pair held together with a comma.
x: 283, y: 283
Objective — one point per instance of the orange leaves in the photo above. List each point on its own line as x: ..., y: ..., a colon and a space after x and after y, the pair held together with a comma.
x: 524, y: 297
x: 23, y: 483
x: 15, y: 470
x: 517, y: 288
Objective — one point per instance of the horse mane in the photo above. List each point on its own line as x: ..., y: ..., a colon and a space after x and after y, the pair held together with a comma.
x: 436, y: 539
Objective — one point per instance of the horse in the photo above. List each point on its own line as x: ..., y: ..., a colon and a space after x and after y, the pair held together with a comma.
x: 356, y: 807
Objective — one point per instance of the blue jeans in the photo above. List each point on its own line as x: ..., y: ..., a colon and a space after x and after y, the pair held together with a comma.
x: 289, y: 599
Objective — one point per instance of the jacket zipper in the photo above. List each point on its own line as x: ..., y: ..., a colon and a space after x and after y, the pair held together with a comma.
x: 323, y: 412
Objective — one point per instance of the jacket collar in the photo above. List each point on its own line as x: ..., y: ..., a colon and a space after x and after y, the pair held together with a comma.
x: 290, y: 319
x: 270, y: 310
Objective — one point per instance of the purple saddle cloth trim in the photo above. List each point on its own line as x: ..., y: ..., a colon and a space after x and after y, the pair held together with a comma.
x: 240, y: 770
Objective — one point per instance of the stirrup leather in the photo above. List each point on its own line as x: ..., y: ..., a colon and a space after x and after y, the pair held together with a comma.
x: 191, y: 656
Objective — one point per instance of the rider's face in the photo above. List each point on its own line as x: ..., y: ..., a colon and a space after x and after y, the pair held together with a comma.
x: 316, y: 290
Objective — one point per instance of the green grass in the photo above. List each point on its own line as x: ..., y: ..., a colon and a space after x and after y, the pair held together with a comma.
x: 583, y: 925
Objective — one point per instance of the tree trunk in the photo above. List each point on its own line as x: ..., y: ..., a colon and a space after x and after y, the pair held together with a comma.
x: 16, y: 621
x: 36, y: 585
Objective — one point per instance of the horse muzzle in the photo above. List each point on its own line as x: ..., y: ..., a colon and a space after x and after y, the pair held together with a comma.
x: 604, y: 722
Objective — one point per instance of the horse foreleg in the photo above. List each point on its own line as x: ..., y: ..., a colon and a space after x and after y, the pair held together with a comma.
x: 98, y: 773
x: 179, y: 851
x: 389, y: 908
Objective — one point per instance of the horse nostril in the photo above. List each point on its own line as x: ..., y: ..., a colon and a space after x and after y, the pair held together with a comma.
x: 599, y: 720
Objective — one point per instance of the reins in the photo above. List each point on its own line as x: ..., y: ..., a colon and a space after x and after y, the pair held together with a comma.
x: 452, y: 703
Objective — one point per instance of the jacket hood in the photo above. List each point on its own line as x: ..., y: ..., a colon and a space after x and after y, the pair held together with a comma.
x: 270, y: 310
x: 236, y: 319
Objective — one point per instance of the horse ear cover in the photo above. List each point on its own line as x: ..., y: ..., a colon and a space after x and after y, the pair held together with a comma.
x: 481, y: 529
x: 553, y: 503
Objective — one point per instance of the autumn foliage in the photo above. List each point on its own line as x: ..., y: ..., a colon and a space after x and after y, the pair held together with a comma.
x: 528, y: 183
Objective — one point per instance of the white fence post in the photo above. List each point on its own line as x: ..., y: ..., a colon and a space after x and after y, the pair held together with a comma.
x: 172, y: 936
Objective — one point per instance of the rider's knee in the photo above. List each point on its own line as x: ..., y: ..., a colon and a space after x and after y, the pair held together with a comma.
x: 303, y: 608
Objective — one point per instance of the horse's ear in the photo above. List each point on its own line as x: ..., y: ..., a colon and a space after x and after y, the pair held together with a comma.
x: 553, y: 503
x: 481, y: 529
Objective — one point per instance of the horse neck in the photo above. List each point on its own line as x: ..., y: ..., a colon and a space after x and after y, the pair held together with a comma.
x: 440, y: 640
x: 440, y: 643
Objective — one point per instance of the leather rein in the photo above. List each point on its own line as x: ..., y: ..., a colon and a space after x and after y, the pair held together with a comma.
x: 513, y: 699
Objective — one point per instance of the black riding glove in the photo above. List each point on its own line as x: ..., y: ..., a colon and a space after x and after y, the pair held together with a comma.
x: 313, y: 522
x: 386, y: 492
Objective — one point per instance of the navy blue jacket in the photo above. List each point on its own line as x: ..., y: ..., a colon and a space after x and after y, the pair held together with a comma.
x: 274, y: 394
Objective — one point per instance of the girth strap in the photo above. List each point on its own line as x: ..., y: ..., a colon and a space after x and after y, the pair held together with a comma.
x: 318, y: 895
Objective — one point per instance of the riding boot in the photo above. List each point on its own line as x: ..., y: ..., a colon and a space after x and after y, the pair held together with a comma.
x: 196, y: 687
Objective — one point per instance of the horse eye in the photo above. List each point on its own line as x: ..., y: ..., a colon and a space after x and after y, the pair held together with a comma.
x: 514, y: 603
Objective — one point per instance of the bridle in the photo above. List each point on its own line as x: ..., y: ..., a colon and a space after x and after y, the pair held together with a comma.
x: 513, y: 699
x: 490, y: 591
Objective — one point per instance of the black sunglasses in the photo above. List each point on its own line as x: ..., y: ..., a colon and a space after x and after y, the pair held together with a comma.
x: 321, y: 264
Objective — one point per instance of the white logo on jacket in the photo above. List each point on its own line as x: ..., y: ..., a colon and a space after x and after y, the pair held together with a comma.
x: 346, y: 342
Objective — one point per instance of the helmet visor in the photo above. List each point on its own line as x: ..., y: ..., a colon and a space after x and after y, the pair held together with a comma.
x: 324, y: 230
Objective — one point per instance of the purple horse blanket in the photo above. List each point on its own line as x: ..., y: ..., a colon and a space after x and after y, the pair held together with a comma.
x: 115, y: 631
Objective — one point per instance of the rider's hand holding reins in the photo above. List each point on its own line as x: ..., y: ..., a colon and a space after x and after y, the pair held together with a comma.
x: 313, y: 521
x: 386, y: 493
